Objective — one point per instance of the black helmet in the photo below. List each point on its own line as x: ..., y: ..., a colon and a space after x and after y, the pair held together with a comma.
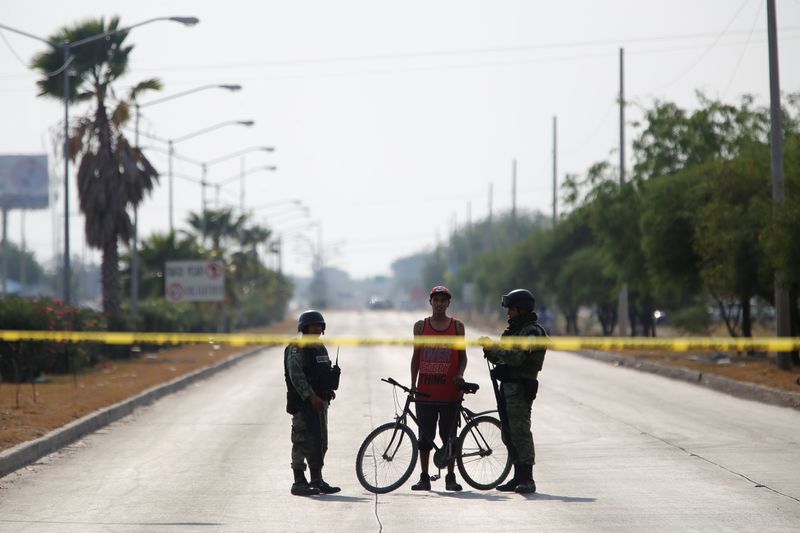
x: 522, y: 299
x: 308, y: 318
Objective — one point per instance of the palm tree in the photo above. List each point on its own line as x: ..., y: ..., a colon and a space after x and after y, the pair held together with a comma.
x: 217, y: 224
x: 251, y: 236
x: 112, y: 175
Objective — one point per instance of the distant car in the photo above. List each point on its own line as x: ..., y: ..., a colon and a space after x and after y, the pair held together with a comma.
x: 376, y: 302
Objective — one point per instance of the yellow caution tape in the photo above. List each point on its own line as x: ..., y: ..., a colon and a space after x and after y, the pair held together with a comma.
x: 677, y: 344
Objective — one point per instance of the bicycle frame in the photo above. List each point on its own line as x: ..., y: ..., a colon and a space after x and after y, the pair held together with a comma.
x: 386, y: 458
x: 464, y: 414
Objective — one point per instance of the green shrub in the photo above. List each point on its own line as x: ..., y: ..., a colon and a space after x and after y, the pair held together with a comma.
x: 27, y: 360
x: 182, y: 317
x: 695, y: 319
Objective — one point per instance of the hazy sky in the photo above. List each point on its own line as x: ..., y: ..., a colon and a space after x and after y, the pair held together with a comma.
x: 390, y: 120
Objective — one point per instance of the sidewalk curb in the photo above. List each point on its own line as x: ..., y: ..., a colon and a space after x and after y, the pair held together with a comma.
x: 740, y: 389
x: 29, y: 452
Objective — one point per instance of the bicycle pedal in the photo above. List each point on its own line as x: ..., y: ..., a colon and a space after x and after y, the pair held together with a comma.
x: 435, y: 477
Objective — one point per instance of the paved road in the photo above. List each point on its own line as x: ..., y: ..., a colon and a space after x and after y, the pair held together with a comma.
x: 618, y: 450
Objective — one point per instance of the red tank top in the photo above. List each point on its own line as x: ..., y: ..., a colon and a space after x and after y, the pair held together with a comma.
x: 438, y: 366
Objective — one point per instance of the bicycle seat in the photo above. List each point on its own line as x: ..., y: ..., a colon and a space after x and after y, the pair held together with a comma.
x: 470, y: 388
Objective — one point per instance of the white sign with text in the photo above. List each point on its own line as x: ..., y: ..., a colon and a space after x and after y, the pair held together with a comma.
x: 195, y: 281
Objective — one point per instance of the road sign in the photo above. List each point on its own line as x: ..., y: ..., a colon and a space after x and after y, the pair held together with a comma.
x: 24, y: 182
x: 195, y: 281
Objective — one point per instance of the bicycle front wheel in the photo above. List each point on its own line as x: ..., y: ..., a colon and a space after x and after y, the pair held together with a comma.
x: 482, y: 458
x: 386, y: 458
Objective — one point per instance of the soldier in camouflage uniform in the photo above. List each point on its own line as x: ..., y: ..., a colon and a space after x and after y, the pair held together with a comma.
x: 517, y: 369
x: 307, y: 371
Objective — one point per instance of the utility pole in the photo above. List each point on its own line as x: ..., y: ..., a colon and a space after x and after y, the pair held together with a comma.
x: 622, y: 306
x: 490, y: 226
x: 514, y: 198
x: 490, y: 202
x: 783, y: 327
x: 555, y: 169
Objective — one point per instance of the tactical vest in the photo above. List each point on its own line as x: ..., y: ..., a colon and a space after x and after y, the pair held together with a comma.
x: 527, y: 327
x: 317, y: 368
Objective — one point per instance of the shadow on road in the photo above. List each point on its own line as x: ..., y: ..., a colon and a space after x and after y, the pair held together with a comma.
x: 554, y: 497
x: 339, y: 498
x: 469, y: 495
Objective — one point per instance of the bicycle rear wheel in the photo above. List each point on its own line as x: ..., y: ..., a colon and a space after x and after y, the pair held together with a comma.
x: 482, y: 458
x: 386, y: 458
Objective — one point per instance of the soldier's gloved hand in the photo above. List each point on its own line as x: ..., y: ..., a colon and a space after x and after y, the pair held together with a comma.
x: 316, y: 402
x: 484, y: 340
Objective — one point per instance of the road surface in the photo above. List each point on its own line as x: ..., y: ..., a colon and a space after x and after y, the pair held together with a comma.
x: 617, y: 450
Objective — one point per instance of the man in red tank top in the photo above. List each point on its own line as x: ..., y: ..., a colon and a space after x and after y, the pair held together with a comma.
x: 438, y: 372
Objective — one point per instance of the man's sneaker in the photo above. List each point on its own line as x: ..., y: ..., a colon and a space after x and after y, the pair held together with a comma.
x: 526, y: 487
x: 450, y: 483
x: 324, y: 488
x: 304, y: 489
x: 424, y: 483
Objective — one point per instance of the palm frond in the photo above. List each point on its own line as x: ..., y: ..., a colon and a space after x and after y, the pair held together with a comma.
x: 152, y: 84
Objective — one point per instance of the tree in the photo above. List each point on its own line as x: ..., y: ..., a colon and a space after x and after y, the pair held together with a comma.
x: 729, y: 226
x: 673, y: 138
x: 668, y: 218
x: 220, y: 225
x: 155, y: 251
x: 112, y: 176
x: 22, y: 266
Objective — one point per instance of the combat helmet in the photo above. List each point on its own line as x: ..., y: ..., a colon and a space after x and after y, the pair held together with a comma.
x: 308, y: 318
x: 522, y: 299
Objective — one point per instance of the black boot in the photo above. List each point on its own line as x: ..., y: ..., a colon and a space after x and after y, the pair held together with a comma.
x: 320, y: 484
x: 511, y: 484
x: 300, y: 487
x: 424, y: 482
x: 526, y: 483
x: 450, y: 482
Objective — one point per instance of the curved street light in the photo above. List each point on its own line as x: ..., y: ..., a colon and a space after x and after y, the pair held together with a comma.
x: 240, y: 177
x: 68, y: 57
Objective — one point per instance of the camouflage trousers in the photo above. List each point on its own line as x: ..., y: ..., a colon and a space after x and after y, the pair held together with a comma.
x: 309, y: 437
x: 518, y: 407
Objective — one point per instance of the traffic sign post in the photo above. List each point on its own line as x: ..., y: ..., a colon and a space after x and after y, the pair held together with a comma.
x: 195, y: 281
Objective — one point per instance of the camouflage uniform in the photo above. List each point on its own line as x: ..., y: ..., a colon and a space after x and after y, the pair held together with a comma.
x: 309, y: 428
x: 519, y: 369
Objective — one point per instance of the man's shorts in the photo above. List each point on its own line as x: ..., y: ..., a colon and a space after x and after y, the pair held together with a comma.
x: 427, y: 415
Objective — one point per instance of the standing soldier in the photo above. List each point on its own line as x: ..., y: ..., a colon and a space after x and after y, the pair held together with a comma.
x: 437, y: 372
x: 517, y: 369
x: 310, y: 384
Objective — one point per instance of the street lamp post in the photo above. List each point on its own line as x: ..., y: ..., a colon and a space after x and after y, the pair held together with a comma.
x: 229, y: 87
x: 67, y: 50
x: 171, y: 154
x: 241, y: 177
x: 171, y: 142
x: 220, y: 159
x: 135, y: 245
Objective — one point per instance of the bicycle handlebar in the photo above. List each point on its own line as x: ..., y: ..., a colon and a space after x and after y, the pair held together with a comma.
x: 467, y: 387
x: 413, y: 392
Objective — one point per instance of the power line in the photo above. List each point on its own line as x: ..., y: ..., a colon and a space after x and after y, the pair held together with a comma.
x: 706, y: 51
x: 14, y: 52
x: 744, y: 50
x: 467, y: 52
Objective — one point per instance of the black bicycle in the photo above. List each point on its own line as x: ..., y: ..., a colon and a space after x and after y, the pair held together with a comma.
x: 388, y: 455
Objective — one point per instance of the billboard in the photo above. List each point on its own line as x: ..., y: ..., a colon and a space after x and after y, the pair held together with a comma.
x: 24, y: 182
x: 195, y: 281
